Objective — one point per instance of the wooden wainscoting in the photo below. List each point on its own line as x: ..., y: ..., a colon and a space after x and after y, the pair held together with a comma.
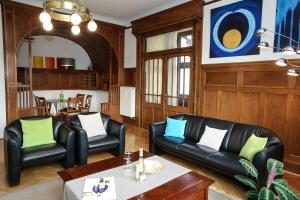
x: 255, y: 93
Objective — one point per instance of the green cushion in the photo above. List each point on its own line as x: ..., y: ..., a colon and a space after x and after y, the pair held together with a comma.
x: 37, y: 132
x: 253, y: 145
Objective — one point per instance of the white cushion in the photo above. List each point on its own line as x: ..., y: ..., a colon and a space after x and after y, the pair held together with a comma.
x: 212, y: 138
x: 92, y: 124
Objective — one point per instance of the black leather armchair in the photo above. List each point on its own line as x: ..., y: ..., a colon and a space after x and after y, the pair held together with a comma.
x: 17, y: 158
x: 226, y: 160
x: 114, y: 141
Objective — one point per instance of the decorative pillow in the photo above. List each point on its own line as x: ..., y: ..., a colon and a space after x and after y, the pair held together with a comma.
x: 212, y: 138
x: 92, y: 124
x: 175, y: 128
x: 37, y: 132
x: 253, y: 145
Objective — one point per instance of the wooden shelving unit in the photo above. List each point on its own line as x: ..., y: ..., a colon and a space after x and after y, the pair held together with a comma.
x: 61, y: 79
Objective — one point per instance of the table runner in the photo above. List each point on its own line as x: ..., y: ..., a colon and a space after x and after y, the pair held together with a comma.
x: 126, y: 185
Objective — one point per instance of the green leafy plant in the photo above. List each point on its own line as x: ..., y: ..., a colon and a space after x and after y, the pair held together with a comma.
x: 275, y: 167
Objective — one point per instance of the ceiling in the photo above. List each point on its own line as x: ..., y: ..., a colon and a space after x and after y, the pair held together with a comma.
x: 121, y: 11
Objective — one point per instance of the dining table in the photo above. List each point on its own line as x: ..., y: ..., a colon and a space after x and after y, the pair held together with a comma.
x: 55, y: 105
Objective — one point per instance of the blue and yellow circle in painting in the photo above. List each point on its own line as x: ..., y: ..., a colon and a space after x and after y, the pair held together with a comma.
x: 233, y: 29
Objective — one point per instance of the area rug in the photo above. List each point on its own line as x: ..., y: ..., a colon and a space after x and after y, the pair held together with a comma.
x: 53, y: 190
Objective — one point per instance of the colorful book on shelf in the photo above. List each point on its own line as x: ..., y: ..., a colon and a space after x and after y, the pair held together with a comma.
x: 50, y: 62
x: 99, y: 189
x: 38, y: 61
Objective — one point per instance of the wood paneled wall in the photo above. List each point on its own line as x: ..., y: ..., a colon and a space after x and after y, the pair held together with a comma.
x: 257, y: 93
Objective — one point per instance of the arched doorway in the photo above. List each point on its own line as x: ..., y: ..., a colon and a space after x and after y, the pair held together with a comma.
x: 98, y: 45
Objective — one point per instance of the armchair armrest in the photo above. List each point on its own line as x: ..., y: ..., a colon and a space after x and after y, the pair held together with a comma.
x: 12, y: 156
x: 81, y: 143
x: 155, y: 129
x: 260, y: 161
x: 66, y: 137
x: 117, y: 129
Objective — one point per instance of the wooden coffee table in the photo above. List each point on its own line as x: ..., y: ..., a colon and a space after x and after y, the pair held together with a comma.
x: 188, y: 186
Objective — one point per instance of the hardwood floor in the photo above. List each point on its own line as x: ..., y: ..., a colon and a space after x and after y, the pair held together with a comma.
x: 135, y: 138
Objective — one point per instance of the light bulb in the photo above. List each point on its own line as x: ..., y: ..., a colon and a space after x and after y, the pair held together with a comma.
x: 48, y: 26
x: 289, y: 51
x: 92, y: 26
x: 292, y: 72
x: 45, y: 17
x: 75, y: 30
x: 75, y: 19
x: 282, y: 62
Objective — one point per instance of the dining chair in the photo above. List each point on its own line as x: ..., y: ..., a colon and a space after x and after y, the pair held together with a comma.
x: 87, y: 105
x: 74, y: 106
x: 41, y: 106
x: 82, y: 96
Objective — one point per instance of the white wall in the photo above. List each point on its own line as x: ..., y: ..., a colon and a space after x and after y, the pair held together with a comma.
x: 53, y: 46
x: 98, y: 96
x: 130, y: 49
x: 2, y: 83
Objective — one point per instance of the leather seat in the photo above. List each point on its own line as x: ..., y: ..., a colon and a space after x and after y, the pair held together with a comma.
x: 114, y: 141
x: 99, y: 143
x: 194, y: 151
x: 170, y: 143
x: 42, y: 154
x: 17, y: 158
x: 225, y: 161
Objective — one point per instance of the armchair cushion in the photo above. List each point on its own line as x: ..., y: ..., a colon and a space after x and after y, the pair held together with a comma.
x: 103, y: 142
x: 42, y: 154
x: 92, y: 124
x: 37, y: 132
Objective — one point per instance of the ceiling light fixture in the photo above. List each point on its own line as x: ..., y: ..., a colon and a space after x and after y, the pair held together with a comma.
x: 73, y: 11
x: 289, y: 50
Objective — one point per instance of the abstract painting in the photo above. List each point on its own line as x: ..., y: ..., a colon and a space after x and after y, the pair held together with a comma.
x: 233, y: 29
x: 287, y: 23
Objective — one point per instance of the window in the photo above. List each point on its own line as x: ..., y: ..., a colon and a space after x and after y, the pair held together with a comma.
x: 172, y: 40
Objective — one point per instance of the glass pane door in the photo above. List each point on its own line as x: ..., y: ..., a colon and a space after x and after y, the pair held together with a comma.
x: 178, y: 84
x: 153, y: 81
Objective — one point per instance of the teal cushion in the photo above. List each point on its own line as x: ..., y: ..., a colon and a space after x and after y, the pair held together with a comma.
x: 37, y: 132
x: 175, y: 128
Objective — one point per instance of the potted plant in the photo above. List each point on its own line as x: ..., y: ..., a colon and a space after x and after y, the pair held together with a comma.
x: 275, y: 169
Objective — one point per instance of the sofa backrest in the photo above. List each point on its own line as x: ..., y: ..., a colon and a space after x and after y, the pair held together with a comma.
x: 241, y: 132
x: 16, y: 126
x: 105, y: 118
x: 236, y: 136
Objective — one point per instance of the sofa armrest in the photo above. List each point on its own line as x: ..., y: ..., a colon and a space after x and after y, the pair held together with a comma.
x: 12, y: 156
x: 260, y: 161
x: 156, y: 129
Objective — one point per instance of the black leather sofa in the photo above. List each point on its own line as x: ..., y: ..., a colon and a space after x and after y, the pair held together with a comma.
x: 17, y: 158
x: 225, y: 161
x: 114, y: 141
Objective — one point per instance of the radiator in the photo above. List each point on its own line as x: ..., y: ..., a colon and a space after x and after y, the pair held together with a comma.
x: 127, y: 101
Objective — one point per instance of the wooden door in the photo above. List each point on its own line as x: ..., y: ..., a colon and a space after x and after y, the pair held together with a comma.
x: 167, y: 87
x: 153, y: 90
x: 178, y: 95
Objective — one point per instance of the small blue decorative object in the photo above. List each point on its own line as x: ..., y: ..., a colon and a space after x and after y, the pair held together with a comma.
x: 101, y: 187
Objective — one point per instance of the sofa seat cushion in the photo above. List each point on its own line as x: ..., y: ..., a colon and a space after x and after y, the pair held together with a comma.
x: 227, y: 163
x: 166, y: 142
x: 42, y: 154
x: 194, y: 151
x: 103, y: 142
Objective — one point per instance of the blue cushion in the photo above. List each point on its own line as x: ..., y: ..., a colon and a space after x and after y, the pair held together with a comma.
x: 175, y: 128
